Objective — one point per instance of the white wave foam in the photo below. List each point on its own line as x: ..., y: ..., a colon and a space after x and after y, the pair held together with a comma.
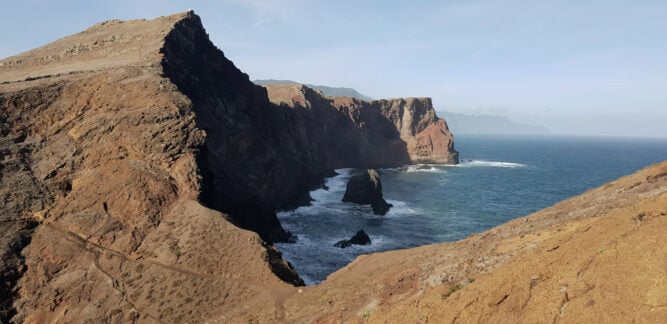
x: 494, y: 164
x: 423, y: 168
x: 400, y: 208
x: 333, y: 190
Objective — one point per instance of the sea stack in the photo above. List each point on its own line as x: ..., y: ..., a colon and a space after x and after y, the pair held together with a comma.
x: 366, y: 188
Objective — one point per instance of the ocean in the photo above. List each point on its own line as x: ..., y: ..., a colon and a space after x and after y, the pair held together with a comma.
x: 499, y: 178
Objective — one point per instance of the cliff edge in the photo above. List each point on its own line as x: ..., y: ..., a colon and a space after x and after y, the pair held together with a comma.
x: 379, y: 133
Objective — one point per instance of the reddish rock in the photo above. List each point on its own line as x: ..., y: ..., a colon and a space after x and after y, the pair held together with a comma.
x: 379, y: 133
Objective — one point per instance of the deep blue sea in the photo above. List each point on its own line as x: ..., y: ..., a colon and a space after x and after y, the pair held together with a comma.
x: 499, y: 178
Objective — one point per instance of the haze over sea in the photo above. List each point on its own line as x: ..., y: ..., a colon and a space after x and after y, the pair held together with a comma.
x: 499, y: 178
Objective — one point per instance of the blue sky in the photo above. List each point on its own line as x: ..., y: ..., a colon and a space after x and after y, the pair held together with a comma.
x: 580, y: 67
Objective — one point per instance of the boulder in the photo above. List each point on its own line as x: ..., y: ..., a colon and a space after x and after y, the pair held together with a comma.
x: 361, y: 238
x: 365, y: 189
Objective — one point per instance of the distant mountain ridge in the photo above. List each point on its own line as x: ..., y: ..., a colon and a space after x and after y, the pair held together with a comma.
x: 460, y: 123
x: 326, y: 90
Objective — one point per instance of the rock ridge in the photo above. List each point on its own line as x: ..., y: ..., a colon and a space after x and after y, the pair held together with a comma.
x: 103, y: 164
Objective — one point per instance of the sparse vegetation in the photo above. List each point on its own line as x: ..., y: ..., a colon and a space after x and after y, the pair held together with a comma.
x: 366, y: 314
x: 452, y: 290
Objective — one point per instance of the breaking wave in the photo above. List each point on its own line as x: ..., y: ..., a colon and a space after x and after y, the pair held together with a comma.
x: 493, y: 164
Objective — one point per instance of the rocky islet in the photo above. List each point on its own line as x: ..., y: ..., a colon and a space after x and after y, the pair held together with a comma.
x: 359, y: 238
x: 366, y: 189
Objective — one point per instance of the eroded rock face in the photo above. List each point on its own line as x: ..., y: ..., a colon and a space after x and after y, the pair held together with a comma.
x: 428, y: 138
x: 251, y: 162
x: 366, y: 189
x: 383, y: 133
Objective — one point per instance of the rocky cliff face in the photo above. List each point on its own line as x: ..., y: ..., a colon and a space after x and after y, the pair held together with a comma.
x: 251, y: 162
x: 104, y: 160
x: 380, y: 133
x: 260, y: 156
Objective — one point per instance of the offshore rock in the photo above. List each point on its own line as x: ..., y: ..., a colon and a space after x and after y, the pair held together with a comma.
x: 365, y: 189
x: 360, y: 238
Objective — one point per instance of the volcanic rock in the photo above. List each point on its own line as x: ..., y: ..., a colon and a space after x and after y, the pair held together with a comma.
x: 365, y: 189
x: 360, y: 238
x: 350, y: 132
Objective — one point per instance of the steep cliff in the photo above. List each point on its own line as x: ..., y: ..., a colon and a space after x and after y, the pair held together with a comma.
x: 259, y: 156
x: 251, y: 161
x: 349, y: 132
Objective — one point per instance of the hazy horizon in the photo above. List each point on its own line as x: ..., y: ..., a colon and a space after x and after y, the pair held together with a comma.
x: 581, y: 68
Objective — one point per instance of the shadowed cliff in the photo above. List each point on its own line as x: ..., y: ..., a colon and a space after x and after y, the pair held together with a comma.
x: 259, y: 157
